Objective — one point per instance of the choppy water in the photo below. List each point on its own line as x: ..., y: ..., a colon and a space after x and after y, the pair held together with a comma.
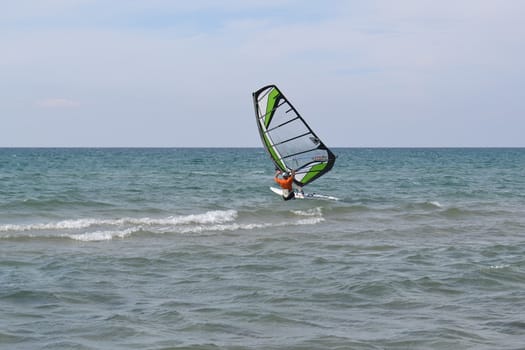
x: 188, y: 249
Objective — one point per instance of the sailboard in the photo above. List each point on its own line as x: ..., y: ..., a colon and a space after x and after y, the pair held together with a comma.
x: 288, y: 139
x: 304, y: 195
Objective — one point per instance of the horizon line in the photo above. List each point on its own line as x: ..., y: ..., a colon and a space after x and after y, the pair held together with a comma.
x: 252, y: 147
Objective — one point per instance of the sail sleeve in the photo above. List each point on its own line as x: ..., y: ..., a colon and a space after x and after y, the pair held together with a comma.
x: 289, y: 140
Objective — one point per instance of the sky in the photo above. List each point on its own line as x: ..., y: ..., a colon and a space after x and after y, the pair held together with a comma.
x: 159, y: 73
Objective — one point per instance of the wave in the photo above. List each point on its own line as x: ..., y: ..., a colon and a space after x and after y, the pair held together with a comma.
x: 206, y: 218
x: 425, y: 205
x: 99, y: 229
x: 435, y: 204
x: 309, y: 212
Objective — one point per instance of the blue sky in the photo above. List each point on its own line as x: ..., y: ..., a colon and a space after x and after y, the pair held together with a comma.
x: 158, y: 73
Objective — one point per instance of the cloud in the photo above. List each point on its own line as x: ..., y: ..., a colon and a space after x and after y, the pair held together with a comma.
x: 57, y: 103
x: 386, y: 74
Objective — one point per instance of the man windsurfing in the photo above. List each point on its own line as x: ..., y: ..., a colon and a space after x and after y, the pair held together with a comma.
x: 286, y: 182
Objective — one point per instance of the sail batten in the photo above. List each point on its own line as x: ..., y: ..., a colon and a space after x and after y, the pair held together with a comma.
x: 283, y: 124
x: 291, y: 139
x: 299, y: 153
x: 288, y: 139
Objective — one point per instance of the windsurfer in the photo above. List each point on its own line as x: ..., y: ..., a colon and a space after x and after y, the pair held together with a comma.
x: 285, y: 181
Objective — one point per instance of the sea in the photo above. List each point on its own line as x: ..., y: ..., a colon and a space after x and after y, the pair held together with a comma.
x: 187, y: 248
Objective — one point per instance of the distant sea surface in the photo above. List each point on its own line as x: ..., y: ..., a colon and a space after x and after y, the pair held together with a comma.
x: 189, y: 249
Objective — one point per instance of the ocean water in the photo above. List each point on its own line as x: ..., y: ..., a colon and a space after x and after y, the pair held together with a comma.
x: 188, y: 249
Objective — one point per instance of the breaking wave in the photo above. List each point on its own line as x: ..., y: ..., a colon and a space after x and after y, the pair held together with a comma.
x: 93, y: 229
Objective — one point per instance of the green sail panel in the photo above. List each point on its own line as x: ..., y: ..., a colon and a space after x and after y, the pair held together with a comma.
x: 289, y: 140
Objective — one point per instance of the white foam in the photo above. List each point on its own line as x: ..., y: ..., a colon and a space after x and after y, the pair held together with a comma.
x: 91, y: 230
x: 101, y: 235
x: 436, y: 204
x: 310, y: 221
x: 60, y: 225
x: 211, y: 217
x: 498, y: 267
x: 310, y: 212
x: 221, y: 227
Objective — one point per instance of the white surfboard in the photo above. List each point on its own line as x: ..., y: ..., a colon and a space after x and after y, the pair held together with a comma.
x: 299, y: 195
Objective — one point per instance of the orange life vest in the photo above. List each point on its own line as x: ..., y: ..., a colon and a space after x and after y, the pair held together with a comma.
x: 285, y: 183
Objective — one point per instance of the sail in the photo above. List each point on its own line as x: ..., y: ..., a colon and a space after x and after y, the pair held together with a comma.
x: 288, y: 139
